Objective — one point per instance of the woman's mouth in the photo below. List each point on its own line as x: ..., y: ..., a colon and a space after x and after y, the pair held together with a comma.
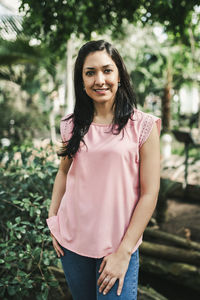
x: 101, y: 91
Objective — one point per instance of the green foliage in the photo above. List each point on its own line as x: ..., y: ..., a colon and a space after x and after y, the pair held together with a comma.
x: 175, y: 15
x: 20, y: 126
x: 54, y: 21
x: 26, y: 250
x: 27, y: 81
x: 150, y: 60
x: 19, y: 52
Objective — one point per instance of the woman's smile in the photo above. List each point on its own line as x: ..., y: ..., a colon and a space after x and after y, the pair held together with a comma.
x: 101, y: 91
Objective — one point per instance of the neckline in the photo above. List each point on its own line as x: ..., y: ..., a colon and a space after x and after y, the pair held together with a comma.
x: 100, y: 124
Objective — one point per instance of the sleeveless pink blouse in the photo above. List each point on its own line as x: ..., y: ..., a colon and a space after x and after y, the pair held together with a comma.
x: 102, y: 187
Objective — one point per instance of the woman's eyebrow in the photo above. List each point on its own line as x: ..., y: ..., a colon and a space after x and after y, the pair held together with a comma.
x: 90, y: 68
x: 93, y: 68
x: 109, y: 65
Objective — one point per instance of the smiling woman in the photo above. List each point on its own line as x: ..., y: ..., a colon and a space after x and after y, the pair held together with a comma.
x: 107, y: 184
x: 100, y: 79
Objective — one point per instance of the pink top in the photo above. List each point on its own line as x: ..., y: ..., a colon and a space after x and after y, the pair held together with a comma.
x: 102, y: 187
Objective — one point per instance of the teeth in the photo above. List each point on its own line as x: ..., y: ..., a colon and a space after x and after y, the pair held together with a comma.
x: 101, y: 90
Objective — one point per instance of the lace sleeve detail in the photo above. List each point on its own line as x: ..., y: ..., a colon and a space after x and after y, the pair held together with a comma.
x: 147, y: 126
x: 66, y: 127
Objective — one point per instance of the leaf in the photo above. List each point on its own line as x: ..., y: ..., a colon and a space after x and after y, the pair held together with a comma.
x: 18, y: 220
x: 39, y: 239
x: 38, y: 211
x: 46, y: 261
x: 28, y: 248
x: 7, y: 266
x: 26, y: 200
x: 18, y: 235
x: 11, y: 290
x: 22, y: 230
x: 2, y: 291
x: 36, y: 252
x: 16, y: 202
x: 9, y: 224
x: 10, y: 258
x: 25, y: 223
x: 53, y: 283
x: 32, y: 211
x: 29, y: 284
x: 21, y: 273
x: 40, y: 226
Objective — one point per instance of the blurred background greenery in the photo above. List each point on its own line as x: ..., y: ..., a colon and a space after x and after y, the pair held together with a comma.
x: 159, y: 42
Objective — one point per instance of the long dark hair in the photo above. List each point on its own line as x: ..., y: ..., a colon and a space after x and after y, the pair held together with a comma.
x: 83, y: 114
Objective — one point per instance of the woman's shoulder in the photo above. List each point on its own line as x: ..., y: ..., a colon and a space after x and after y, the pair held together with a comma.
x: 67, y: 117
x: 139, y: 115
x: 66, y: 126
x: 144, y: 123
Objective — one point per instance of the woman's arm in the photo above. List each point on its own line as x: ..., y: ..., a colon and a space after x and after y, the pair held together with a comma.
x: 149, y: 188
x: 115, y: 265
x: 57, y: 194
x: 59, y: 185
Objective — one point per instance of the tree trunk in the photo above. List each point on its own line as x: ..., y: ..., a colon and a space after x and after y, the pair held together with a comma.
x: 52, y: 126
x: 69, y: 98
x: 166, y: 100
x: 199, y: 110
x: 195, y: 61
x: 170, y: 253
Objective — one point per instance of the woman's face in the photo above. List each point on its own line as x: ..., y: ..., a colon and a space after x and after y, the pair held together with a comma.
x: 100, y: 77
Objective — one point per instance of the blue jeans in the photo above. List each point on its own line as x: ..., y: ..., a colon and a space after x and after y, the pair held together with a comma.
x: 81, y: 274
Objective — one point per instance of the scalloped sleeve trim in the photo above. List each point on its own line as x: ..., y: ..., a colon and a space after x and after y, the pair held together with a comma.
x: 66, y: 127
x: 147, y: 126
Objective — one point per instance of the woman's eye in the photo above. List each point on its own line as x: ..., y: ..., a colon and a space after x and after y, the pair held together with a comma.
x: 108, y: 71
x: 90, y: 73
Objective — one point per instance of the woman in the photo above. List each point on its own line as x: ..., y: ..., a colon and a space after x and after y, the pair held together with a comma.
x: 107, y: 184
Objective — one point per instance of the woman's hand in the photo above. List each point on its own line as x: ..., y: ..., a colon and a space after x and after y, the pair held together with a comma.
x: 56, y: 246
x: 114, y: 266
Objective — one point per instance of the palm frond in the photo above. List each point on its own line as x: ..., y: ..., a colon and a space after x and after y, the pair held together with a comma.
x: 10, y: 26
x: 19, y: 52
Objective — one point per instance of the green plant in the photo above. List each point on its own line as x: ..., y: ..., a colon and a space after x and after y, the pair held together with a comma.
x: 25, y: 245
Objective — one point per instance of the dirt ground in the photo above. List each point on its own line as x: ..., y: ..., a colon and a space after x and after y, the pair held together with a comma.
x: 183, y: 219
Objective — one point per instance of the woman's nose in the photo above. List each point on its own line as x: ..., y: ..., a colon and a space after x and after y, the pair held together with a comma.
x: 99, y: 78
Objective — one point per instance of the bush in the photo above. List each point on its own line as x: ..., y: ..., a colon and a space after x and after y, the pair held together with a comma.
x: 26, y: 251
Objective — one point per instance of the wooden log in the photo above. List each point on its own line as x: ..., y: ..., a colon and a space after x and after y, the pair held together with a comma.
x: 172, y: 239
x: 180, y: 273
x: 188, y: 195
x: 170, y: 253
x: 147, y: 293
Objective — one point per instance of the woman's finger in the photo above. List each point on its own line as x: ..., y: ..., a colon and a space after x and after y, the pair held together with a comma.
x: 60, y: 250
x: 109, y: 285
x: 58, y: 254
x: 120, y: 286
x: 102, y: 277
x: 57, y: 248
x: 104, y: 280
